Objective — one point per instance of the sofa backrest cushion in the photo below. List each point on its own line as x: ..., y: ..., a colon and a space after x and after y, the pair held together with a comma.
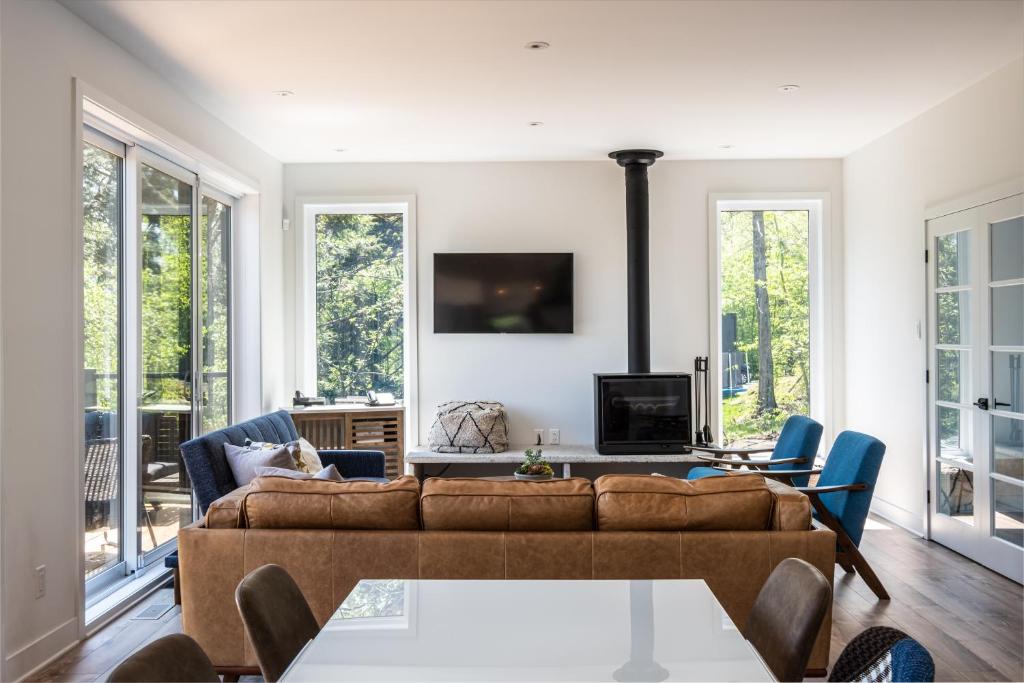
x: 282, y: 503
x: 654, y: 503
x: 207, y: 465
x: 464, y: 504
x: 791, y: 510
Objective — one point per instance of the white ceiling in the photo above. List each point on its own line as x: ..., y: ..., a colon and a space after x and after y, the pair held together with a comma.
x: 444, y: 81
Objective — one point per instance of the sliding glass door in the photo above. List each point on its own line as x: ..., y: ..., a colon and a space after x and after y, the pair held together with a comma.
x: 156, y: 315
x: 214, y: 298
x: 102, y: 194
x: 165, y: 411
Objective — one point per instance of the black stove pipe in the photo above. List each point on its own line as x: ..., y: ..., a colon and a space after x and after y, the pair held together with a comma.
x: 638, y: 288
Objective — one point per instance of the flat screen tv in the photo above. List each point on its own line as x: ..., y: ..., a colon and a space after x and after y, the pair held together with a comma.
x: 514, y: 293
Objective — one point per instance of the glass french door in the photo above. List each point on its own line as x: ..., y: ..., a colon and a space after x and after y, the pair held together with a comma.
x: 976, y: 407
x: 156, y: 316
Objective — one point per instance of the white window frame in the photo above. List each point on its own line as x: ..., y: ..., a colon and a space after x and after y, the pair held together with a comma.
x: 306, y: 209
x: 823, y: 385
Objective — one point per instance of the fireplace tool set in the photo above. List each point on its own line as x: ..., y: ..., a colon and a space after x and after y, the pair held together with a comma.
x: 700, y: 377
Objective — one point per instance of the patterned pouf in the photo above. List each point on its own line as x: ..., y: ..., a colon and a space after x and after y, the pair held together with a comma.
x: 469, y: 427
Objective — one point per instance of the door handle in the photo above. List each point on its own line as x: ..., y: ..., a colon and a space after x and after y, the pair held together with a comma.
x: 1000, y: 403
x: 982, y: 403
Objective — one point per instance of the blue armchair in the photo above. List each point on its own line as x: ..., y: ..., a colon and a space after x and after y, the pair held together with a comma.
x: 211, y: 477
x: 793, y: 452
x: 842, y: 498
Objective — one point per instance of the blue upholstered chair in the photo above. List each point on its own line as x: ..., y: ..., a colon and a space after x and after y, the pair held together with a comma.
x: 842, y: 497
x: 211, y: 477
x: 794, y: 451
x: 881, y: 653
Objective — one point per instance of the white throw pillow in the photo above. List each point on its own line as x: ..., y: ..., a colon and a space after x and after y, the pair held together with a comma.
x: 306, y: 458
x: 281, y: 472
x: 330, y: 473
x: 310, y: 458
x: 243, y: 460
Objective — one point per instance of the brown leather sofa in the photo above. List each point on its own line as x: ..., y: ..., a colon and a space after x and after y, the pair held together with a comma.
x: 729, y: 531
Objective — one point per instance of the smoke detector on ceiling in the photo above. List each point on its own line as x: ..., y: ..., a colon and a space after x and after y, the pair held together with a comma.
x: 788, y: 88
x: 537, y: 45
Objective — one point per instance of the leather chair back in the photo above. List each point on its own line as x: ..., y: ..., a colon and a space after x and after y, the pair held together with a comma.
x: 799, y: 438
x: 167, y: 660
x: 787, y: 616
x: 855, y: 458
x: 276, y: 617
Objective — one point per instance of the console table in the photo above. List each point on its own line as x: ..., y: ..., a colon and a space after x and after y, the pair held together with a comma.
x: 355, y: 426
x: 566, y: 456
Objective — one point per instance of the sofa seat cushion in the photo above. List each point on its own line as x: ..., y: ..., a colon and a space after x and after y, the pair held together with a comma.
x: 225, y: 512
x: 656, y: 503
x: 464, y: 504
x: 281, y: 503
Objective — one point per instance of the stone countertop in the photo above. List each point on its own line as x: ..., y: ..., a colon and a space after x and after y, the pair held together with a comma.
x: 343, y: 408
x: 553, y: 454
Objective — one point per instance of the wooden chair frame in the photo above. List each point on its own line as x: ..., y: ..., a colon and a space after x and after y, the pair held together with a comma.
x: 848, y: 555
x: 746, y: 462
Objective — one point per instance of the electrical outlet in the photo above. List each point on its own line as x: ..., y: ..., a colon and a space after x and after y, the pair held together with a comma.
x: 40, y: 581
x: 538, y: 437
x: 554, y: 436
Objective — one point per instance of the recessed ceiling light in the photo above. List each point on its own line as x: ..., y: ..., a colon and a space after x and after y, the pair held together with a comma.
x: 535, y: 124
x: 340, y: 149
x: 725, y: 147
x: 282, y: 93
x: 790, y: 87
x: 537, y: 45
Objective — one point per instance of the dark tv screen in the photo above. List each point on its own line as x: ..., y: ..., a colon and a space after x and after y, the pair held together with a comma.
x: 514, y: 293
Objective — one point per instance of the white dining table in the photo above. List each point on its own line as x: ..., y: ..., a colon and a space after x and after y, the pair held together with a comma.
x: 629, y: 630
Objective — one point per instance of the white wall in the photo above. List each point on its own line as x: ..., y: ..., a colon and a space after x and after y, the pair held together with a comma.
x: 972, y: 140
x: 43, y: 47
x: 546, y: 380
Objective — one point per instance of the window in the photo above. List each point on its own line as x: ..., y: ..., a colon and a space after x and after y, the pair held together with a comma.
x: 156, y: 347
x: 770, y: 338
x: 356, y: 284
x: 359, y: 303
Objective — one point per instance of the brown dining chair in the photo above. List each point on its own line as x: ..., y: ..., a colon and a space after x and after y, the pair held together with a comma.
x: 787, y: 615
x: 276, y: 617
x: 172, y: 658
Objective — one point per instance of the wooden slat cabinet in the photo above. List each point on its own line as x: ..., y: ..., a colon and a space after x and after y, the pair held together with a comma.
x: 375, y: 429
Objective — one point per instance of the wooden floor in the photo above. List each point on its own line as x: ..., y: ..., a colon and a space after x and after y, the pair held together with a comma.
x: 969, y: 618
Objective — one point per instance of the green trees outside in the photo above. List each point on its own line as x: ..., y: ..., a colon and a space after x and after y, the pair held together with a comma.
x: 764, y: 282
x: 165, y: 233
x: 101, y: 193
x: 952, y: 264
x: 359, y: 303
x: 166, y: 288
x: 214, y: 307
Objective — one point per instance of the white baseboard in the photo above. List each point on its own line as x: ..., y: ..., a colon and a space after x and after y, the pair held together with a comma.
x: 899, y: 516
x: 40, y: 652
